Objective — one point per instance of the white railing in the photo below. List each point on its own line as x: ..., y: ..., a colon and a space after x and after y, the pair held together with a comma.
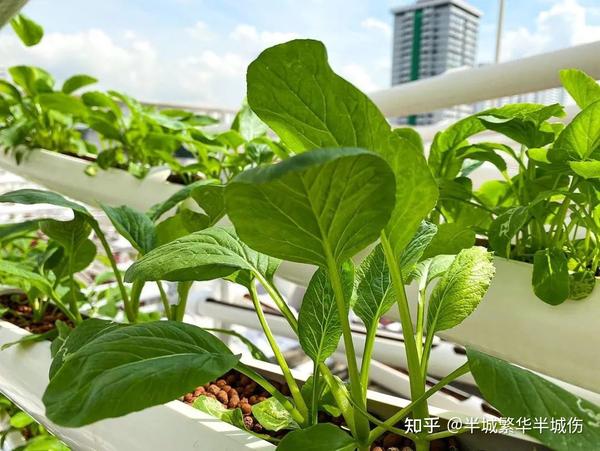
x: 465, y: 86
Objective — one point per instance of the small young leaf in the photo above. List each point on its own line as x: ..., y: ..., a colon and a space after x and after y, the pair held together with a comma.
x: 320, y: 437
x: 432, y: 268
x: 214, y: 408
x: 161, y: 208
x: 130, y: 368
x: 505, y: 227
x: 63, y: 103
x: 319, y: 326
x: 586, y: 169
x: 45, y: 443
x: 550, y: 278
x: 581, y: 284
x: 374, y: 293
x: 583, y: 88
x: 134, y: 226
x: 28, y: 31
x: 328, y: 203
x: 209, y: 254
x: 499, y: 381
x: 69, y: 234
x: 76, y: 82
x: 460, y: 290
x: 23, y: 278
x: 211, y: 198
x: 582, y: 136
x: 413, y: 253
x: 273, y: 416
x: 20, y: 420
x: 450, y: 239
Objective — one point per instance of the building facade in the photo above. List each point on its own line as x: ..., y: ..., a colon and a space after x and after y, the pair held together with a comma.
x: 430, y: 38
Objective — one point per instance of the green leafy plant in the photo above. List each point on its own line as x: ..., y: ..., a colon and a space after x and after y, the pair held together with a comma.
x: 545, y: 214
x: 70, y: 250
x: 354, y: 186
x: 131, y: 135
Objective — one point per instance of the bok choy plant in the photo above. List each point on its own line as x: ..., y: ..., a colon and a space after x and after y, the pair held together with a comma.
x: 353, y: 186
x: 548, y: 212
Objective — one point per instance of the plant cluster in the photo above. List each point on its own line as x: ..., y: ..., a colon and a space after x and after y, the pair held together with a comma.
x: 548, y: 213
x: 354, y: 186
x: 114, y: 130
x: 35, y: 436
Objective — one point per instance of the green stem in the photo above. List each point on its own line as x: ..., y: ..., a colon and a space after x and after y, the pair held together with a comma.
x: 365, y: 364
x: 74, y: 307
x: 287, y: 374
x: 164, y: 299
x: 420, y: 316
x: 361, y: 423
x: 183, y: 290
x: 136, y: 292
x: 278, y: 299
x: 338, y: 394
x: 111, y: 258
x: 264, y: 383
x: 403, y: 413
x: 63, y: 308
x: 316, y: 389
x: 416, y: 379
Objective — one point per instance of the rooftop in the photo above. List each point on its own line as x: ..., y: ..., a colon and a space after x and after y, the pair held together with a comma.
x: 424, y: 3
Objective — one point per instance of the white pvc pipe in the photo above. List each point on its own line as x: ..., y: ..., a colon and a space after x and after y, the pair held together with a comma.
x: 465, y: 86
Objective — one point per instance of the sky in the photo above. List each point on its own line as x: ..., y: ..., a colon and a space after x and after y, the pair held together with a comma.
x: 195, y: 52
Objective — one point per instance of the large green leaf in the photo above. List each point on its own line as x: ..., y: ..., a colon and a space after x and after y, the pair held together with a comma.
x: 374, y: 292
x: 319, y: 326
x: 505, y: 227
x: 583, y: 88
x: 35, y: 196
x: 28, y: 31
x: 460, y: 290
x: 76, y: 82
x: 518, y: 393
x: 84, y: 333
x: 328, y: 203
x: 209, y: 254
x: 135, y: 227
x: 131, y: 368
x: 550, y: 277
x: 582, y: 136
x: 293, y: 89
x: 320, y: 437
